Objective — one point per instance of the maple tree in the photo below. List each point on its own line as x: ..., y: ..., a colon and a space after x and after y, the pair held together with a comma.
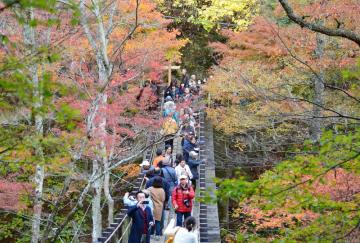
x: 286, y: 85
x: 77, y: 103
x: 333, y: 14
x: 93, y: 105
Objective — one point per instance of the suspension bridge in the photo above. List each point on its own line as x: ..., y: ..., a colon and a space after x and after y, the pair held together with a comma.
x: 205, y: 213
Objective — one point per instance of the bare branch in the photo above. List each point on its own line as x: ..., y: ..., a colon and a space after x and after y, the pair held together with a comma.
x: 310, y: 68
x: 94, y: 178
x: 347, y: 34
x: 85, y: 25
x: 136, y: 25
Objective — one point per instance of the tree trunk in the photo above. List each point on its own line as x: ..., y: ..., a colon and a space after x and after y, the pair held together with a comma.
x: 96, y: 203
x: 98, y: 39
x: 40, y: 170
x: 104, y: 157
x: 39, y: 179
x: 30, y: 40
x: 109, y: 199
x: 104, y: 70
x: 318, y: 83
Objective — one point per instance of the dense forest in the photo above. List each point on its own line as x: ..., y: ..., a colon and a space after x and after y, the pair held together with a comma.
x: 79, y: 90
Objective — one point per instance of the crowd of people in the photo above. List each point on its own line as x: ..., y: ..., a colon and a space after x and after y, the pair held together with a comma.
x: 171, y: 179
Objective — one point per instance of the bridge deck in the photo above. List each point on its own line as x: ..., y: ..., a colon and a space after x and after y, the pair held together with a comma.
x: 205, y: 213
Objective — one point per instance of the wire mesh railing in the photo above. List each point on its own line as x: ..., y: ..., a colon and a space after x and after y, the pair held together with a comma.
x: 119, y: 230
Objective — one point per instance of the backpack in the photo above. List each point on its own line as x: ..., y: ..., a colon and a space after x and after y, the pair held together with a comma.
x: 172, y: 177
x: 171, y: 238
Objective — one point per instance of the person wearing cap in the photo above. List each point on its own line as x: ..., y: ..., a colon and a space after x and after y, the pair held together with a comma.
x: 182, y: 200
x: 193, y: 164
x: 169, y: 105
x: 145, y: 167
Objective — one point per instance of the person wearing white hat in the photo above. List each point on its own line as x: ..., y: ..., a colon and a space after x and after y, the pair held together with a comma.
x: 146, y: 167
x: 182, y: 200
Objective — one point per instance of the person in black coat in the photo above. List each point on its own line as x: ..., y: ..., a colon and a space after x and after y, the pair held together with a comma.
x: 185, y: 77
x: 142, y: 220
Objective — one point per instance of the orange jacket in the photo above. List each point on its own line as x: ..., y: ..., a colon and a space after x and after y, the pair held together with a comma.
x: 157, y: 160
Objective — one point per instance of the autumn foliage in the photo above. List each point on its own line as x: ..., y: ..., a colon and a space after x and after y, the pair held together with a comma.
x: 66, y: 93
x: 263, y: 95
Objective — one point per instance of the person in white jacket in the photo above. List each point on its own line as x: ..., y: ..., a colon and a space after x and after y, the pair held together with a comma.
x: 186, y: 234
x: 183, y: 169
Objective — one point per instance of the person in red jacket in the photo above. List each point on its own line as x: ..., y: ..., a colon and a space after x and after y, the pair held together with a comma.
x: 182, y: 199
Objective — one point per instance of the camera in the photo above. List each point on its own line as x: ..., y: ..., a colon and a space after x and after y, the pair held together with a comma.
x: 145, y: 202
x: 186, y: 203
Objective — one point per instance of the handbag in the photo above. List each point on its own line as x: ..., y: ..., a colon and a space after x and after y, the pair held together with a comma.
x: 172, y: 237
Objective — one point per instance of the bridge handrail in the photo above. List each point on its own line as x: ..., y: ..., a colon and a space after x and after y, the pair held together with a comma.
x: 124, y: 219
x: 141, y: 186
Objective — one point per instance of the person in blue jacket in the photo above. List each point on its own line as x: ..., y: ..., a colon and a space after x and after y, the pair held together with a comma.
x: 193, y: 164
x: 169, y: 175
x: 142, y: 220
x: 188, y: 146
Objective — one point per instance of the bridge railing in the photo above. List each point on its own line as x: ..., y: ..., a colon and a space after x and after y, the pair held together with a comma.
x: 203, y: 227
x: 119, y: 230
x: 208, y: 211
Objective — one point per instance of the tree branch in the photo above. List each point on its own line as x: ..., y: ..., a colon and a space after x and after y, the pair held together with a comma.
x: 347, y: 34
x: 128, y: 36
x: 9, y: 5
x: 317, y: 176
x: 310, y: 68
x: 357, y: 226
x: 95, y: 177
